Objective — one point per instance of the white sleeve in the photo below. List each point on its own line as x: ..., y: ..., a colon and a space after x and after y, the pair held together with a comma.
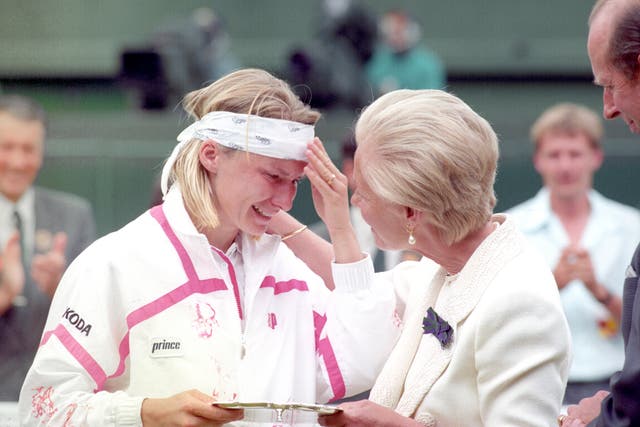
x: 359, y: 328
x: 79, y: 349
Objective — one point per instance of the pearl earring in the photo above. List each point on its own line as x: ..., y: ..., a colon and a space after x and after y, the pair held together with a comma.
x: 411, y: 240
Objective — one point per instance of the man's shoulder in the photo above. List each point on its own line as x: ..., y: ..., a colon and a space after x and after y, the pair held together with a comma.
x: 533, y: 214
x: 616, y: 204
x: 60, y: 199
x: 525, y: 208
x: 615, y: 207
x: 521, y: 207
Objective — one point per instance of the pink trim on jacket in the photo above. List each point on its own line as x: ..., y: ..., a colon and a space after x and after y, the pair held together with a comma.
x: 325, y: 349
x: 159, y: 305
x: 158, y: 213
x: 92, y: 367
x: 193, y: 286
x: 282, y: 287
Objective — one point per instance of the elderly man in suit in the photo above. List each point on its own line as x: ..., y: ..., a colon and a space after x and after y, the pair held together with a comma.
x: 41, y: 231
x: 614, y: 52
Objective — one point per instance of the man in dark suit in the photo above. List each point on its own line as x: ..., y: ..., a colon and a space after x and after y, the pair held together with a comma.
x: 614, y: 52
x: 41, y: 231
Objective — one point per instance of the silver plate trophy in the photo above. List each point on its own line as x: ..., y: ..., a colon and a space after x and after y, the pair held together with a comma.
x: 286, y: 414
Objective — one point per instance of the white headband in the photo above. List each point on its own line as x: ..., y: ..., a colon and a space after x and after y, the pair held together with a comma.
x: 282, y: 139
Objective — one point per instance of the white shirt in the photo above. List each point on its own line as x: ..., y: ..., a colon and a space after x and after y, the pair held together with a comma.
x: 610, y: 237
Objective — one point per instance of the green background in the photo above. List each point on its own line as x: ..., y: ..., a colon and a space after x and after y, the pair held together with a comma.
x: 508, y: 59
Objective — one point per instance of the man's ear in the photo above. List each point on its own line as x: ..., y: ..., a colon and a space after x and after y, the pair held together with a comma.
x: 209, y: 154
x: 535, y: 159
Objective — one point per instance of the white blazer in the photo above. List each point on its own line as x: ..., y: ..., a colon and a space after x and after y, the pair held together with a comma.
x: 507, y: 363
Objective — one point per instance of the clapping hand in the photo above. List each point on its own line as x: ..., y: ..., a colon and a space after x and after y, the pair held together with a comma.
x: 47, y: 269
x: 11, y: 272
x: 575, y: 263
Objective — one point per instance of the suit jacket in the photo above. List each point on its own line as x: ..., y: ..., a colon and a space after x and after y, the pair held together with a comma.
x: 622, y: 407
x: 21, y: 327
x: 508, y: 361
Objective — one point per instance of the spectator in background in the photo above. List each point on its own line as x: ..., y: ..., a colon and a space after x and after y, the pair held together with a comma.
x: 53, y: 228
x: 350, y: 22
x: 584, y: 238
x: 194, y: 51
x: 401, y: 61
x: 329, y: 71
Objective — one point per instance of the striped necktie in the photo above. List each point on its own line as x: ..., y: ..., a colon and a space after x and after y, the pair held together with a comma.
x: 20, y: 300
x: 17, y: 223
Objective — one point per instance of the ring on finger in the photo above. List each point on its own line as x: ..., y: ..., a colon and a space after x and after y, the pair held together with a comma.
x: 561, y: 419
x: 331, y: 178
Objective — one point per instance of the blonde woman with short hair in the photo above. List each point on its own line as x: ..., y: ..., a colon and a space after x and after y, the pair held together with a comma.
x: 484, y: 339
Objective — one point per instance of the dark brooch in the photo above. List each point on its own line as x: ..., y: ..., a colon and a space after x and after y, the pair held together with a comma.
x: 436, y: 325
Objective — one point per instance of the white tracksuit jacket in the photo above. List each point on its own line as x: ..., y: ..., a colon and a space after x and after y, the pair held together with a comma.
x: 152, y: 310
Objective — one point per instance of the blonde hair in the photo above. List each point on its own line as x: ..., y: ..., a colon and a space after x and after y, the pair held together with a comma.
x: 248, y: 91
x: 569, y: 119
x: 430, y: 151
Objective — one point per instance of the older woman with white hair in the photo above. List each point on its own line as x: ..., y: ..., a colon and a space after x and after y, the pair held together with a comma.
x: 191, y: 304
x: 484, y: 339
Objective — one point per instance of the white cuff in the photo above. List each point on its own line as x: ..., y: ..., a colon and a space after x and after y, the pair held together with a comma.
x: 129, y: 411
x: 353, y: 276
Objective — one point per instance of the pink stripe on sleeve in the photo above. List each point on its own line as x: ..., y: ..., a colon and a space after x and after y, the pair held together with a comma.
x: 123, y: 350
x: 282, y: 287
x: 79, y: 353
x: 325, y: 349
x: 318, y: 323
